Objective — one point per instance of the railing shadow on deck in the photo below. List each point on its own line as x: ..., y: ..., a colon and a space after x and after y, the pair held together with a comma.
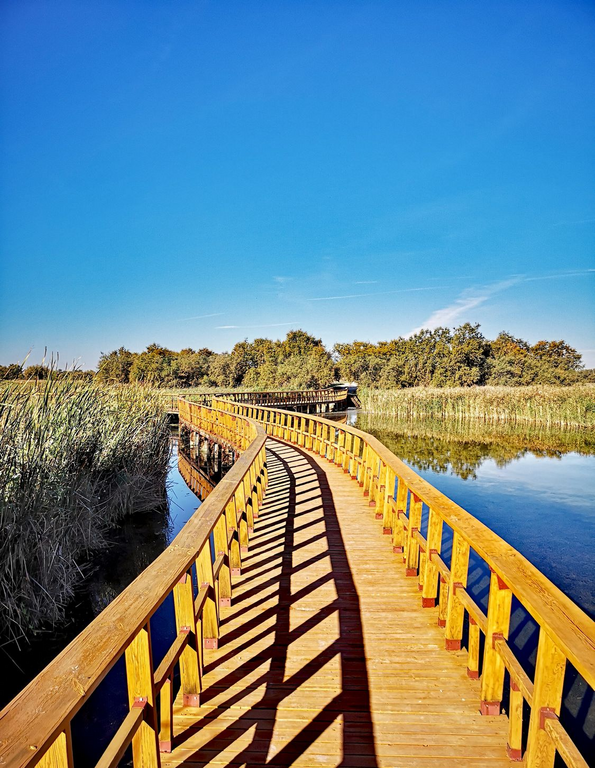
x: 352, y: 703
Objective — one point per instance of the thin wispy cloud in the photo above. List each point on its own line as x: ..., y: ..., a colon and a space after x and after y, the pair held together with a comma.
x: 376, y: 293
x: 201, y: 317
x: 281, y: 279
x: 469, y: 299
x: 365, y: 282
x: 265, y: 325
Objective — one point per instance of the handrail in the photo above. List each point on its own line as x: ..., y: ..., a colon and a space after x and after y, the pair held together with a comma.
x: 287, y: 396
x: 35, y: 725
x: 398, y: 495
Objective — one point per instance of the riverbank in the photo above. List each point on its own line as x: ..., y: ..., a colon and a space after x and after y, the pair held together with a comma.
x: 572, y: 406
x: 77, y: 458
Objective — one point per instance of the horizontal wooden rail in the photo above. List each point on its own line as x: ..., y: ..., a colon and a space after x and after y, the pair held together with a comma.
x: 398, y: 494
x: 35, y: 726
x: 279, y: 397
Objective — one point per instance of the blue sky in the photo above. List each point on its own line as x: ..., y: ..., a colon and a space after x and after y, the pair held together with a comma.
x: 196, y: 173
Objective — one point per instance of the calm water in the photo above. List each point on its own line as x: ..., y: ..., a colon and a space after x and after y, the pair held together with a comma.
x: 535, y: 488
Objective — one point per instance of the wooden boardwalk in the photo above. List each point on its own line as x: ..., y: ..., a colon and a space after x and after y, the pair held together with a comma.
x: 325, y: 657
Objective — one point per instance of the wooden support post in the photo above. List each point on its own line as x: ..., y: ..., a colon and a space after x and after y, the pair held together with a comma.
x: 190, y: 662
x: 455, y: 612
x: 355, y: 467
x: 473, y: 657
x: 430, y: 581
x: 492, y: 677
x: 547, y: 699
x: 387, y: 496
x: 412, y: 551
x: 398, y: 530
x: 221, y: 548
x: 210, y: 612
x: 59, y: 755
x: 166, y: 705
x: 442, y: 601
x: 348, y: 442
x: 365, y: 479
x: 514, y: 748
x: 139, y: 676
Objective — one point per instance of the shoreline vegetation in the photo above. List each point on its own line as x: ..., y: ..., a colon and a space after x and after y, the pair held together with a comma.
x: 77, y: 459
x: 571, y: 407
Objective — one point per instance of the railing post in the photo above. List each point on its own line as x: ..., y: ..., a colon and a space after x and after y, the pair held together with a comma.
x: 59, y: 755
x: 455, y: 611
x: 492, y: 676
x: 190, y: 663
x: 139, y: 676
x: 398, y: 530
x: 514, y: 747
x: 428, y: 595
x: 210, y: 612
x: 547, y: 699
x: 387, y: 497
x: 412, y: 556
x: 221, y: 549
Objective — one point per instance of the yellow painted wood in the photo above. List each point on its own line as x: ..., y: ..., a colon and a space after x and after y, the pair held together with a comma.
x: 139, y: 676
x: 210, y: 613
x: 547, y: 698
x: 434, y: 538
x: 459, y: 567
x: 190, y: 669
x: 492, y: 678
x: 59, y: 755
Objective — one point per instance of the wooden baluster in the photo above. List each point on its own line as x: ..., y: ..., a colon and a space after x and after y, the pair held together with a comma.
x: 389, y: 493
x: 247, y: 496
x: 190, y: 663
x: 166, y: 717
x: 254, y: 493
x: 492, y: 676
x: 412, y: 551
x: 340, y: 449
x: 547, y: 699
x: 430, y: 585
x: 210, y: 612
x: 347, y: 445
x: 139, y: 676
x: 379, y: 486
x: 398, y: 530
x: 473, y: 656
x: 365, y: 478
x: 59, y: 755
x: 355, y: 467
x: 455, y: 612
x: 442, y: 601
x: 514, y: 747
x: 224, y: 580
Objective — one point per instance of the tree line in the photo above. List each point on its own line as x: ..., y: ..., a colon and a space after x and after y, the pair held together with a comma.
x: 442, y: 357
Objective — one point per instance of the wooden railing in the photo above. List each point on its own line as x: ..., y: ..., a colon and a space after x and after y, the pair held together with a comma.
x: 277, y: 397
x: 198, y: 568
x: 398, y: 495
x: 288, y: 397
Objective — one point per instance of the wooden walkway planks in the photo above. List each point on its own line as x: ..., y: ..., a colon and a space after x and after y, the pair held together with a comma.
x: 326, y: 657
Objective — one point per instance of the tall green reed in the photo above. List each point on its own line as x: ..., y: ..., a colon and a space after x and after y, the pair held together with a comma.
x: 76, y: 458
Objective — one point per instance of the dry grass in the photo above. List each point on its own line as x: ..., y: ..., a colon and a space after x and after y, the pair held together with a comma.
x: 572, y: 406
x: 75, y: 459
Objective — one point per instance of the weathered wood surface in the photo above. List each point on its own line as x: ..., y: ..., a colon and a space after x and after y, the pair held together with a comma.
x: 325, y: 655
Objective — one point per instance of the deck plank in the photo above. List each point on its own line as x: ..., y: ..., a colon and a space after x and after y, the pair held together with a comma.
x: 326, y: 657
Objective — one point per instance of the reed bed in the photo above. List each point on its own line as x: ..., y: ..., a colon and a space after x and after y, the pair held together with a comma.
x: 76, y: 458
x: 572, y: 406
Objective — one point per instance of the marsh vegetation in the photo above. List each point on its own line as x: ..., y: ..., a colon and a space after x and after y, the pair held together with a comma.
x: 76, y: 459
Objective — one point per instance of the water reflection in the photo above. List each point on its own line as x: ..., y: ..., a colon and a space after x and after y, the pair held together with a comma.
x: 460, y: 447
x: 532, y: 486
